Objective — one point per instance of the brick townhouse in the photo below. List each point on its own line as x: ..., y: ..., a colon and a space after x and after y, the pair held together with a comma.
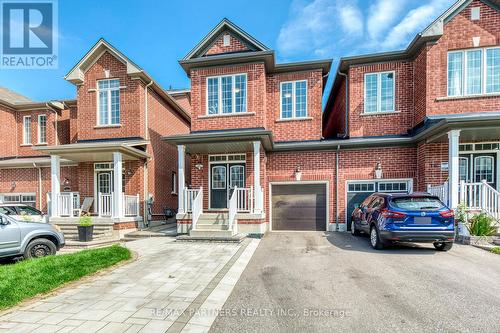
x: 265, y: 157
x: 104, y: 147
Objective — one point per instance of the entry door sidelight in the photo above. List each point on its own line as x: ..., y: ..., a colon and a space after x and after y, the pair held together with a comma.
x: 218, y: 186
x: 236, y: 177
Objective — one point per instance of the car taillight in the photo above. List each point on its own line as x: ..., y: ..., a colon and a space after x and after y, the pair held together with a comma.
x: 447, y: 214
x: 392, y: 214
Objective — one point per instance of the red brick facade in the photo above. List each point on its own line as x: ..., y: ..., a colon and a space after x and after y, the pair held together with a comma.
x: 78, y: 121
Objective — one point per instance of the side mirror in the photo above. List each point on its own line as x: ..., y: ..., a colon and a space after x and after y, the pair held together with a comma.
x: 3, y: 220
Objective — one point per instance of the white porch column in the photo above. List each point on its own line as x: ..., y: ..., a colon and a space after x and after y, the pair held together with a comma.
x: 258, y: 205
x: 55, y: 181
x: 117, y: 185
x: 453, y: 168
x: 181, y: 157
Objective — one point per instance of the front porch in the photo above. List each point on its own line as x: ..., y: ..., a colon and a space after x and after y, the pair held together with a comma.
x: 473, y: 170
x: 225, y: 196
x: 105, y: 183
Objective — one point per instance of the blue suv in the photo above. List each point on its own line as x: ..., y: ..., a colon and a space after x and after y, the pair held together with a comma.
x: 416, y: 217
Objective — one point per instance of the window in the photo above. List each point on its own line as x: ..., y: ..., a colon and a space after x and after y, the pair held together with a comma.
x: 15, y: 198
x: 42, y: 128
x: 226, y: 40
x: 227, y: 94
x: 27, y: 130
x: 174, y: 182
x: 108, y: 102
x: 474, y: 72
x: 361, y: 187
x: 483, y: 168
x: 293, y: 99
x: 417, y: 203
x: 379, y: 92
x: 219, y: 177
x: 464, y: 168
x: 393, y: 187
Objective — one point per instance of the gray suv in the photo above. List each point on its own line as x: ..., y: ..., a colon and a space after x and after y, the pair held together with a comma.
x: 28, y: 239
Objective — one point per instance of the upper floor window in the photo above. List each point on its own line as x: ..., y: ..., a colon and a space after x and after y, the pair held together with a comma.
x: 42, y: 128
x: 474, y: 72
x: 293, y: 96
x: 27, y: 130
x: 379, y: 92
x: 108, y: 102
x: 227, y: 94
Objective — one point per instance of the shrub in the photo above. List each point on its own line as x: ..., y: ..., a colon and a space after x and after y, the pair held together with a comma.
x: 496, y: 250
x: 85, y: 221
x: 482, y: 225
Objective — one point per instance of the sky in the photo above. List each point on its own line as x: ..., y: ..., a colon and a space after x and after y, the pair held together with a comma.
x: 156, y: 34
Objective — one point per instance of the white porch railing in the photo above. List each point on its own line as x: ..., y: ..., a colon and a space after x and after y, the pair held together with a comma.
x: 440, y: 191
x: 481, y: 196
x: 233, y: 207
x: 197, y: 207
x: 244, y: 199
x: 105, y: 205
x: 188, y: 196
x: 131, y: 205
x: 68, y: 204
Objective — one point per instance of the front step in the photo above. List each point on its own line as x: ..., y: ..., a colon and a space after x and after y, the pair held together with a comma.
x: 210, y: 233
x: 102, y: 231
x: 238, y: 238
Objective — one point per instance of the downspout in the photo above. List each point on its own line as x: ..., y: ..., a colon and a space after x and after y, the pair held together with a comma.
x: 346, y: 129
x: 56, y: 128
x: 145, y: 175
x: 337, y: 188
x: 39, y: 184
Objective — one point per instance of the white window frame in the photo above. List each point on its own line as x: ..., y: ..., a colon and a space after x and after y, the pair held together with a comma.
x: 379, y: 92
x: 27, y: 133
x: 233, y: 94
x: 294, y: 106
x: 109, y: 111
x: 464, y: 72
x: 174, y: 182
x: 40, y: 141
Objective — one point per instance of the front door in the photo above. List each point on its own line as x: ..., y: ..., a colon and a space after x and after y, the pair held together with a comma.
x: 478, y: 167
x: 104, y: 183
x: 224, y: 178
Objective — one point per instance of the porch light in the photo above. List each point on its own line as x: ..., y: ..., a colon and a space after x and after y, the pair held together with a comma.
x: 13, y: 185
x: 66, y: 182
x: 199, y: 166
x: 298, y: 173
x: 378, y: 170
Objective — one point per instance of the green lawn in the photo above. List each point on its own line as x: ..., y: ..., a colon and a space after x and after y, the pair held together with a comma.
x: 496, y: 250
x: 29, y: 278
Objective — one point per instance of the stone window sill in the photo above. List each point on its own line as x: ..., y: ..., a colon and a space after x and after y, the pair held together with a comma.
x: 452, y: 98
x: 41, y: 144
x: 364, y: 114
x: 293, y: 119
x: 26, y: 145
x: 107, y: 126
x: 241, y: 114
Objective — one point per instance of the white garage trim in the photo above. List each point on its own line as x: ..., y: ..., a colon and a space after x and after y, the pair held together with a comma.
x: 375, y: 182
x: 304, y: 182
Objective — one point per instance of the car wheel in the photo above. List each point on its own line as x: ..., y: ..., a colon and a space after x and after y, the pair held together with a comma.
x: 354, y: 231
x: 375, y: 239
x: 40, y: 247
x: 443, y: 246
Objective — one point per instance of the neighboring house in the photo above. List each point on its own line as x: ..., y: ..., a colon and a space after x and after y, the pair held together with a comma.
x: 249, y: 118
x: 105, y: 145
x: 430, y: 113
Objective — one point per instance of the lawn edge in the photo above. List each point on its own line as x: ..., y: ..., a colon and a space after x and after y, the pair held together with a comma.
x: 71, y: 284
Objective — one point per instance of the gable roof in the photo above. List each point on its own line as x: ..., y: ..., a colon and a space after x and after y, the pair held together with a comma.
x: 13, y: 97
x: 225, y: 25
x: 77, y: 73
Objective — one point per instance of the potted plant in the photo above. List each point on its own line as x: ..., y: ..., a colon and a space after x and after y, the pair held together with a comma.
x: 85, y: 228
x: 481, y: 229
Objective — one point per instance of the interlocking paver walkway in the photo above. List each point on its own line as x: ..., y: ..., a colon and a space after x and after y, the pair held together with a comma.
x: 147, y: 295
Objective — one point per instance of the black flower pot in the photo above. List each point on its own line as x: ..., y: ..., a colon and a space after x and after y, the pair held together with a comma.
x: 85, y: 233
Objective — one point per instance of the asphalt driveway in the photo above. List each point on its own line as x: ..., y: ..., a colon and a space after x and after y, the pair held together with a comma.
x: 315, y: 282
